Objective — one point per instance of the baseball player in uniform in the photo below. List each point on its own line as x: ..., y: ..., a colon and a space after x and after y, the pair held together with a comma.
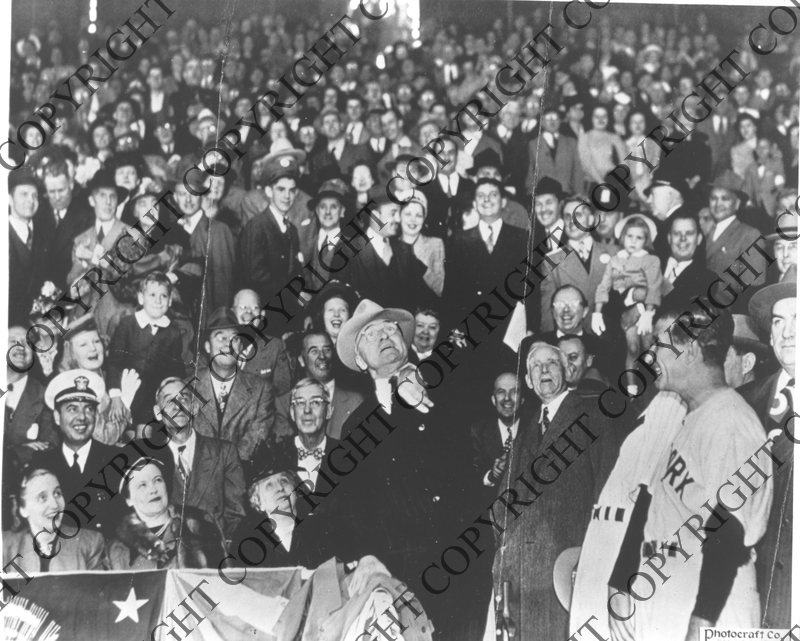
x: 634, y: 468
x: 679, y: 584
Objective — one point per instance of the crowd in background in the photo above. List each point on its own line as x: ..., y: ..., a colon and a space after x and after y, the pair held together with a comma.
x: 116, y: 363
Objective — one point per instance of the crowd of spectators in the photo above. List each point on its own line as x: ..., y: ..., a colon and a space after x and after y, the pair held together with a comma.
x: 88, y: 385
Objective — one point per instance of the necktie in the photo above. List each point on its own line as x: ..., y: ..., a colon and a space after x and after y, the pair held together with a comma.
x: 583, y: 251
x: 29, y: 240
x: 387, y: 253
x: 100, y: 236
x: 58, y: 217
x: 490, y: 240
x: 181, y: 464
x: 9, y: 409
x: 446, y: 186
x: 545, y: 419
x: 673, y: 274
x: 223, y: 398
x: 76, y: 468
x: 509, y: 440
x: 316, y: 453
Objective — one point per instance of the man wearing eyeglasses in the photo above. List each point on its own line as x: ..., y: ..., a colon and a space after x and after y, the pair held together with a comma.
x: 404, y: 501
x: 566, y: 432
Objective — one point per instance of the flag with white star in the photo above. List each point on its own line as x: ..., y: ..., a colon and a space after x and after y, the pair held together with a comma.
x: 124, y: 606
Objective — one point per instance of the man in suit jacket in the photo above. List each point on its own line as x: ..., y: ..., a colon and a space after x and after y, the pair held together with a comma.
x: 774, y: 309
x: 581, y: 264
x: 338, y: 158
x: 731, y: 238
x: 89, y: 246
x: 355, y: 131
x: 207, y: 472
x: 318, y: 238
x: 231, y: 405
x: 558, y: 516
x: 316, y: 361
x: 397, y: 143
x: 30, y: 246
x: 24, y: 428
x: 665, y: 196
x: 385, y: 269
x: 269, y: 245
x: 553, y: 155
x: 448, y: 194
x: 268, y: 360
x: 514, y: 146
x: 68, y: 212
x: 721, y: 131
x: 74, y: 396
x: 685, y: 272
x: 547, y: 208
x: 493, y: 437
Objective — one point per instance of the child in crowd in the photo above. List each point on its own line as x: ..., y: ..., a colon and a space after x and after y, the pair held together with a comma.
x: 633, y: 268
x: 147, y: 342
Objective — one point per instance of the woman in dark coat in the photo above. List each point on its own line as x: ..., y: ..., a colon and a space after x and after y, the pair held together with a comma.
x: 155, y: 534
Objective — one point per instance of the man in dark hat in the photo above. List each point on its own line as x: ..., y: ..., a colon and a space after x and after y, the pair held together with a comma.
x: 386, y: 269
x: 489, y: 164
x: 241, y: 406
x: 774, y: 308
x: 553, y: 155
x: 206, y: 472
x: 269, y: 245
x: 73, y: 396
x: 746, y: 353
x: 318, y: 238
x: 665, y: 196
x: 30, y: 245
x: 731, y: 237
x: 89, y: 246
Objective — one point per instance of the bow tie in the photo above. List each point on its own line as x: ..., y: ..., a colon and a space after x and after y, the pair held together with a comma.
x: 316, y: 453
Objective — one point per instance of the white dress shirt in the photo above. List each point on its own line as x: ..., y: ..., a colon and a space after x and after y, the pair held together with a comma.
x: 308, y: 467
x: 329, y: 236
x: 379, y: 243
x: 421, y: 355
x: 503, y: 436
x: 383, y: 390
x: 722, y: 226
x: 22, y: 227
x: 189, y: 223
x: 483, y: 228
x: 105, y: 225
x: 83, y: 454
x: 143, y: 320
x: 188, y: 453
x: 676, y: 267
x: 337, y: 148
x: 449, y: 183
x: 552, y: 406
x: 13, y: 395
x: 354, y: 130
x: 281, y: 220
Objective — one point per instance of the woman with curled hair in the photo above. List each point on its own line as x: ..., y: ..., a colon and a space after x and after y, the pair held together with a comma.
x: 156, y: 534
x: 428, y: 249
x: 743, y: 154
x: 35, y: 542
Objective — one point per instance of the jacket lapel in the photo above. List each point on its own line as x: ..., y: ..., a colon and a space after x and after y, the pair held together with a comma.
x: 206, y: 391
x: 730, y: 232
x: 199, y: 477
x: 240, y: 395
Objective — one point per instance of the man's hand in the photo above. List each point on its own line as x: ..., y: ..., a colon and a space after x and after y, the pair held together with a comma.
x: 598, y: 326
x: 38, y: 446
x: 499, y: 468
x: 623, y: 607
x: 695, y: 623
x: 409, y: 389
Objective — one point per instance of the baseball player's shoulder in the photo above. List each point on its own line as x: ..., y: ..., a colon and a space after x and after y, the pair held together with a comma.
x: 727, y: 420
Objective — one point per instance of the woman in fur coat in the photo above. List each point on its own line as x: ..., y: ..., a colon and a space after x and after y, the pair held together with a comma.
x: 155, y: 534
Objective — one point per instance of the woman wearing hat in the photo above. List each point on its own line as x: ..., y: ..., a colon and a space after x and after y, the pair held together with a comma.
x: 155, y: 534
x: 599, y: 149
x: 428, y: 249
x: 35, y: 545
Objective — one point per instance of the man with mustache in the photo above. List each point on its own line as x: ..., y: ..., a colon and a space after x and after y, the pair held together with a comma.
x: 316, y: 361
x: 73, y: 396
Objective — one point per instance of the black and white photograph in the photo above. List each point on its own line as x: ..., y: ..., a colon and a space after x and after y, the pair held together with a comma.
x: 399, y: 320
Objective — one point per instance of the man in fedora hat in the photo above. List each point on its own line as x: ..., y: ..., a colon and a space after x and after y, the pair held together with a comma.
x: 784, y: 249
x: 30, y: 245
x: 665, y: 196
x: 553, y: 155
x: 774, y: 309
x: 386, y: 269
x: 745, y: 354
x: 403, y: 500
x: 337, y: 158
x: 269, y: 245
x: 73, y: 397
x: 731, y: 237
x: 318, y: 237
x: 89, y: 246
x: 241, y: 403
